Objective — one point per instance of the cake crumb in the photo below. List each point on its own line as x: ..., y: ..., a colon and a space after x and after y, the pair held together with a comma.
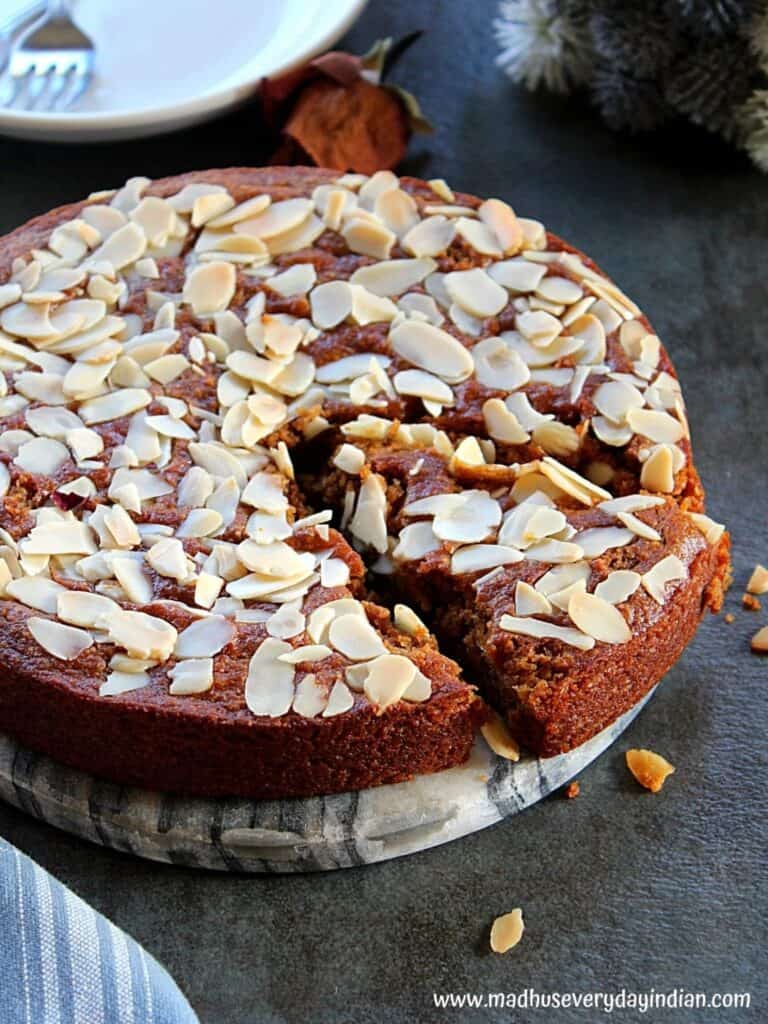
x: 507, y: 931
x: 729, y: 618
x: 573, y: 789
x: 758, y: 581
x: 760, y: 640
x: 650, y: 769
x: 751, y: 603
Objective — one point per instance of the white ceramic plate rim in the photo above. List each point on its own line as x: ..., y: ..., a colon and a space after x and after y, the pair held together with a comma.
x: 145, y: 118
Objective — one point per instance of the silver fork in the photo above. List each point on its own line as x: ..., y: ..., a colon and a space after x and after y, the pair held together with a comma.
x: 51, y: 64
x: 14, y: 24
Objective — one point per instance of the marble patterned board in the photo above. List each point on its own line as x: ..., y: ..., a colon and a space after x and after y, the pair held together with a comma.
x: 315, y: 834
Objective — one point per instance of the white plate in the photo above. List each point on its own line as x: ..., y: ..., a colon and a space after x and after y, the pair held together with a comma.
x: 166, y: 64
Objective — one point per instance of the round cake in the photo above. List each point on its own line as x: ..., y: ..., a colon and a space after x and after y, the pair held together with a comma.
x: 307, y: 476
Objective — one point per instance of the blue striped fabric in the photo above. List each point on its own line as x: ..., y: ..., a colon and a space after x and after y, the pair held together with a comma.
x: 61, y: 962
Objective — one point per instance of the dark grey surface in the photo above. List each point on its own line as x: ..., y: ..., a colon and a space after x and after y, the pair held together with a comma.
x: 620, y: 888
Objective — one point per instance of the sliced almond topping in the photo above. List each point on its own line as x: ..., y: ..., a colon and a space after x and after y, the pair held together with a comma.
x: 432, y: 349
x: 137, y: 586
x: 599, y: 539
x: 572, y: 483
x: 501, y: 424
x: 369, y: 522
x: 481, y: 557
x: 355, y: 637
x: 311, y: 698
x: 658, y: 472
x: 209, y: 206
x: 547, y: 631
x: 191, y: 677
x: 114, y: 405
x: 554, y: 551
x: 41, y: 455
x: 207, y: 589
x: 415, y: 541
x: 205, y: 637
x: 397, y: 210
x: 476, y: 234
x: 618, y: 586
x: 368, y: 237
x: 276, y: 219
x: 296, y: 280
x: 476, y: 292
x: 82, y: 608
x: 501, y: 219
x: 498, y: 366
x: 307, y: 652
x: 243, y: 211
x: 507, y: 931
x: 125, y: 245
x: 599, y: 619
x: 650, y: 769
x: 407, y: 621
x: 562, y: 576
x: 269, y: 688
x: 340, y: 699
x: 758, y: 581
x: 209, y: 287
x: 424, y: 385
x: 118, y: 682
x: 431, y: 237
x: 616, y: 399
x: 35, y: 591
x: 468, y: 453
x: 389, y: 676
x: 167, y: 558
x: 759, y: 642
x: 630, y: 503
x: 349, y: 459
x: 469, y: 520
x: 498, y: 737
x: 538, y: 328
x: 59, y: 538
x: 713, y: 532
x: 529, y: 601
x: 638, y: 526
x: 393, y: 277
x: 557, y: 438
x: 331, y: 303
x: 275, y: 559
x: 334, y: 572
x: 369, y: 308
x: 668, y: 570
x: 142, y: 635
x: 64, y: 642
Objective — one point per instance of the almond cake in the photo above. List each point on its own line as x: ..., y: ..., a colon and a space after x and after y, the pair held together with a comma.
x: 302, y: 473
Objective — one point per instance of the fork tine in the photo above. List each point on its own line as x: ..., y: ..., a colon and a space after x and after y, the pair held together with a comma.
x: 38, y: 83
x: 17, y: 87
x: 59, y: 86
x: 81, y: 82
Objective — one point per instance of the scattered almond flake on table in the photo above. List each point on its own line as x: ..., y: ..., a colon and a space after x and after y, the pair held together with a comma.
x: 758, y: 581
x: 507, y: 931
x: 650, y: 769
x: 759, y: 642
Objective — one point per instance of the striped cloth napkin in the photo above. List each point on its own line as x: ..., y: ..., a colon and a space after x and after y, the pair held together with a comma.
x: 61, y: 962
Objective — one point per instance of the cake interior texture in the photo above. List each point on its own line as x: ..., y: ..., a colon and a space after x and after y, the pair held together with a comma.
x: 306, y: 476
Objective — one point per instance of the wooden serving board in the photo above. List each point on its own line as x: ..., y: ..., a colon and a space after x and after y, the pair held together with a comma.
x: 314, y: 834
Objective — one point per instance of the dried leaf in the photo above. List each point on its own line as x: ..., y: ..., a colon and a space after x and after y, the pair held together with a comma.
x: 360, y: 127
